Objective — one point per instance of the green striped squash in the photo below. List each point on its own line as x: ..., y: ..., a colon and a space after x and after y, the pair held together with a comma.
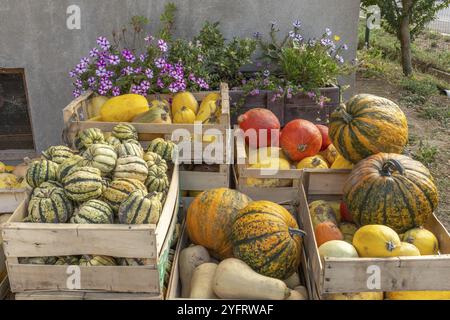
x: 131, y: 167
x: 68, y: 165
x: 38, y: 260
x: 67, y: 261
x: 88, y: 137
x: 165, y: 149
x: 130, y: 148
x: 125, y: 131
x: 119, y: 190
x: 267, y: 238
x: 100, y: 156
x: 154, y: 159
x: 140, y: 208
x: 41, y: 171
x: 368, y: 125
x: 157, y: 179
x: 58, y: 154
x: 97, y: 261
x: 134, y: 262
x: 49, y: 205
x: 84, y: 184
x: 93, y: 212
x: 113, y: 141
x: 392, y: 190
x: 51, y: 185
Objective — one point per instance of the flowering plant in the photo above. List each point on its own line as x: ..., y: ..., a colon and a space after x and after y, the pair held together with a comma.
x: 296, y: 64
x: 115, y: 68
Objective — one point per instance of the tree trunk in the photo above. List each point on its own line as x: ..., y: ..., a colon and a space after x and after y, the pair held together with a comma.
x: 405, y: 37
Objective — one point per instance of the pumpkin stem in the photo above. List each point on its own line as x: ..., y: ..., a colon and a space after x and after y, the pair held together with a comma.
x: 297, y: 232
x: 390, y: 166
x: 315, y: 162
x: 302, y: 147
x: 390, y: 246
x: 345, y: 115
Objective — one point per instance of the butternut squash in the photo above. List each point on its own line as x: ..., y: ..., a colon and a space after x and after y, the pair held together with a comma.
x: 202, y: 282
x: 190, y: 258
x: 234, y: 279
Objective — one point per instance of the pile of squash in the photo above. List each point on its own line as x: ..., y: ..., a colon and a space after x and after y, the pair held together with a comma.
x: 11, y: 177
x: 241, y: 249
x: 387, y: 198
x: 184, y: 108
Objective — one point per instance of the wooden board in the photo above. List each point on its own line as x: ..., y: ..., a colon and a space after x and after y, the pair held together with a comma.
x: 85, y: 296
x: 123, y: 241
x: 10, y: 199
x: 339, y: 275
x: 205, y: 180
x: 4, y: 288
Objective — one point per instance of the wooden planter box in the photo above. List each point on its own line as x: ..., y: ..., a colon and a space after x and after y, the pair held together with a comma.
x: 174, y: 288
x: 112, y: 282
x: 11, y: 199
x: 299, y: 106
x: 346, y: 275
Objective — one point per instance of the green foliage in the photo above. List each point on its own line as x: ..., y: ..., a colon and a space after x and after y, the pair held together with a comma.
x: 425, y: 153
x: 422, y: 87
x: 167, y: 21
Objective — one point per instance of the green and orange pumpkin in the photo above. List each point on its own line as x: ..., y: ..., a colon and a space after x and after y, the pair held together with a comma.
x: 392, y: 190
x: 368, y: 125
x: 267, y: 238
x: 210, y: 218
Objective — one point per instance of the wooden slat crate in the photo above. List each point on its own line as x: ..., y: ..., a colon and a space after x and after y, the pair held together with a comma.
x: 10, y: 199
x: 346, y: 275
x: 299, y: 106
x: 112, y: 282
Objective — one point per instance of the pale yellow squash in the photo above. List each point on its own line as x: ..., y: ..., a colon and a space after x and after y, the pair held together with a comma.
x: 376, y: 241
x: 184, y: 99
x: 123, y: 108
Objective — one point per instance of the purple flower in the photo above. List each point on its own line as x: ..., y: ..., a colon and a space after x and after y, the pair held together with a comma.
x: 266, y: 73
x: 135, y: 89
x: 162, y: 45
x: 103, y: 43
x: 339, y: 58
x: 149, y: 38
x: 114, y: 59
x: 94, y: 52
x: 142, y: 57
x: 116, y: 91
x: 328, y: 31
x: 345, y: 47
x: 106, y: 84
x: 81, y: 68
x: 327, y: 43
x: 91, y: 81
x: 257, y: 35
x: 192, y: 77
x: 128, y: 71
x: 173, y: 87
x: 292, y: 34
x: 202, y: 83
x: 101, y: 63
x: 297, y: 24
x: 109, y: 74
x: 78, y: 84
x: 311, y: 94
x: 101, y: 91
x: 76, y: 93
x: 160, y: 62
x: 254, y: 92
x: 160, y: 83
x: 244, y: 81
x: 266, y: 82
x: 149, y: 73
x: 145, y: 85
x: 312, y: 42
x: 84, y: 60
x: 128, y: 55
x: 72, y: 73
x: 138, y: 70
x: 101, y: 72
x: 298, y: 37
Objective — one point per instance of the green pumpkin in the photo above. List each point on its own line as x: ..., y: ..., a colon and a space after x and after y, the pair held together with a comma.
x: 88, y: 137
x: 131, y: 167
x: 153, y: 159
x: 166, y: 149
x: 125, y: 131
x: 157, y: 180
x: 140, y: 208
x: 100, y: 156
x: 130, y: 148
x: 67, y: 261
x: 58, y: 154
x: 93, y: 212
x: 40, y: 172
x: 97, y: 261
x: 119, y: 189
x: 68, y: 165
x: 84, y: 184
x: 49, y: 205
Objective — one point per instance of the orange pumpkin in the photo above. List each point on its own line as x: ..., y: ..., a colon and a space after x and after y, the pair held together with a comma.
x: 210, y: 218
x: 300, y: 139
x: 327, y: 231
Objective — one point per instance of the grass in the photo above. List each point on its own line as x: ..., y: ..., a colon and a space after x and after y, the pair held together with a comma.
x: 425, y: 153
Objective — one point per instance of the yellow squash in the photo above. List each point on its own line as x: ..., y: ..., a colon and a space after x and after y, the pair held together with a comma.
x: 418, y: 295
x: 273, y: 164
x: 315, y: 162
x: 184, y: 99
x: 206, y: 112
x: 2, y: 167
x: 95, y: 105
x: 184, y: 115
x: 376, y: 241
x: 123, y: 108
x: 341, y: 163
x: 355, y: 296
x: 423, y: 239
x: 406, y: 249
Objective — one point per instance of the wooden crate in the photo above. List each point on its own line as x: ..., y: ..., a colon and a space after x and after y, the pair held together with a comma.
x: 204, y: 178
x: 76, y: 119
x: 174, y: 287
x: 346, y: 275
x: 113, y: 282
x: 299, y: 106
x: 11, y: 199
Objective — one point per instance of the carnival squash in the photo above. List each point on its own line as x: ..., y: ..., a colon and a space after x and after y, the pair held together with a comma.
x: 261, y: 127
x: 210, y: 218
x: 376, y: 241
x: 300, y: 139
x: 266, y: 237
x: 423, y: 239
x: 368, y: 125
x: 390, y: 189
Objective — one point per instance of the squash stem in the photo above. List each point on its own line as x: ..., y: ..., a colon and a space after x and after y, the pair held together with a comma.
x: 297, y: 232
x: 390, y: 166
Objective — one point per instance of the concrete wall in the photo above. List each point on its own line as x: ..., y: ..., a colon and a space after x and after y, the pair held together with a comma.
x: 34, y: 36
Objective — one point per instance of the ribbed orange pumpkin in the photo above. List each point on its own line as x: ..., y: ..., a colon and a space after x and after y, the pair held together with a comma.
x: 210, y: 218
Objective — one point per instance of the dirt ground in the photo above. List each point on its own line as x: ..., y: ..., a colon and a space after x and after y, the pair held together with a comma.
x: 430, y: 132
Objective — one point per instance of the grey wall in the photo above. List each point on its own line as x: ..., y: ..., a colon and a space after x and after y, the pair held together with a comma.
x: 34, y: 36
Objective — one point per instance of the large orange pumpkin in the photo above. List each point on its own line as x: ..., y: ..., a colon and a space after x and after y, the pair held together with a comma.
x: 300, y: 139
x: 258, y: 120
x: 327, y: 231
x: 210, y: 218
